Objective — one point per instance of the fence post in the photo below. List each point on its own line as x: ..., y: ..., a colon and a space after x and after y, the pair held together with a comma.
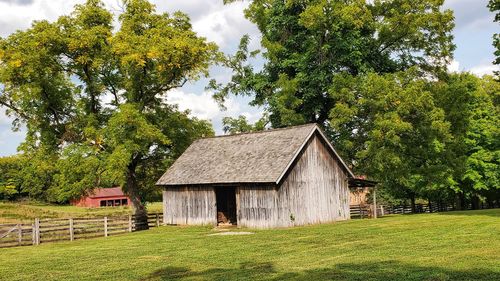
x: 71, y: 230
x: 381, y: 210
x: 36, y: 232
x: 129, y: 223
x: 157, y: 220
x: 19, y: 234
x: 33, y: 234
x: 105, y: 226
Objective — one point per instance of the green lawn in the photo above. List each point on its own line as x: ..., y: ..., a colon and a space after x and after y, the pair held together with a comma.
x: 24, y: 212
x: 446, y: 246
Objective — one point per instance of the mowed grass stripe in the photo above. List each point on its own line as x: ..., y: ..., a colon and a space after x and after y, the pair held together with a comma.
x: 444, y: 246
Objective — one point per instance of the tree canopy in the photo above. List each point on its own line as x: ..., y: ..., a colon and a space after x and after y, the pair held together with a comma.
x: 306, y: 43
x: 93, y: 96
x: 374, y: 75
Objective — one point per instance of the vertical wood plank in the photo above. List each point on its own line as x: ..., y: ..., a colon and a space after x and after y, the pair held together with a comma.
x: 164, y: 207
x: 157, y: 220
x: 105, y: 226
x: 374, y: 202
x: 71, y: 230
x: 129, y: 223
x: 19, y: 234
x: 33, y: 234
x: 37, y: 231
x: 237, y: 194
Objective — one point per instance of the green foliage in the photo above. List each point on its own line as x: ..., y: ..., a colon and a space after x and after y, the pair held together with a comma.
x: 373, y: 75
x: 474, y: 151
x: 391, y: 127
x: 307, y: 43
x: 9, y: 177
x: 241, y: 125
x: 58, y: 75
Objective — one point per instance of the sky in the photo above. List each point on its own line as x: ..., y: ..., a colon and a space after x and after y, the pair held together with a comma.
x: 224, y: 25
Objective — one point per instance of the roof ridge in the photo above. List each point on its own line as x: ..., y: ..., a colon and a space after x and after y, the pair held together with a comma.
x: 262, y: 131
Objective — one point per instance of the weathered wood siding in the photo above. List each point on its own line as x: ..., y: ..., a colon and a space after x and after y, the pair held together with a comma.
x: 189, y: 205
x: 257, y: 206
x: 314, y: 191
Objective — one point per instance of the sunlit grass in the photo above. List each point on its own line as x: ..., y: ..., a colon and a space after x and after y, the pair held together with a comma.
x: 27, y: 212
x: 445, y: 246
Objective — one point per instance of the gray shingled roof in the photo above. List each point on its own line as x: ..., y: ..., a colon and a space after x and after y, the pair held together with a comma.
x: 259, y: 157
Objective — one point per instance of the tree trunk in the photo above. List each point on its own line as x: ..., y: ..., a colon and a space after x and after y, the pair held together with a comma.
x: 140, y: 212
x: 413, y: 206
x: 475, y: 202
x: 460, y: 201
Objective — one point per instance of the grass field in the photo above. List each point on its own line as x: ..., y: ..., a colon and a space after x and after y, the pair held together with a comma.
x: 433, y: 247
x: 24, y: 212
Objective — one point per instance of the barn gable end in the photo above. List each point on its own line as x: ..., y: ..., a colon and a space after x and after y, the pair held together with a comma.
x: 315, y: 190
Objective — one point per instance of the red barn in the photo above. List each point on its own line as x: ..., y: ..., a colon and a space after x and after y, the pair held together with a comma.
x: 103, y: 197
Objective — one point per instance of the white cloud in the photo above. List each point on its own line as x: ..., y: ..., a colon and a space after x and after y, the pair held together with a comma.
x: 203, y: 105
x: 484, y: 69
x: 15, y: 15
x: 225, y: 25
x: 454, y: 66
x: 222, y: 24
x: 470, y: 14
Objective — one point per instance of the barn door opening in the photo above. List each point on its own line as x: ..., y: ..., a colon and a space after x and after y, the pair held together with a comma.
x: 226, y: 205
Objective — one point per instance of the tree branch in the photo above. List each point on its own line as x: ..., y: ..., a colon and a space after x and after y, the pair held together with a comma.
x: 15, y: 109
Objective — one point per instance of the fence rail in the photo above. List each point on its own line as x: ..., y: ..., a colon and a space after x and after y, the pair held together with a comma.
x: 365, y: 211
x: 52, y: 230
x: 419, y: 208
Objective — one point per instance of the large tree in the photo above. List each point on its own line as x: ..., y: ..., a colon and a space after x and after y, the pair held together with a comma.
x: 307, y: 43
x: 393, y: 129
x: 94, y: 95
x: 473, y: 153
x: 361, y: 69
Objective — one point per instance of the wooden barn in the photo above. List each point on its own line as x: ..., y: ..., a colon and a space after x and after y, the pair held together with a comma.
x: 103, y: 197
x: 274, y: 178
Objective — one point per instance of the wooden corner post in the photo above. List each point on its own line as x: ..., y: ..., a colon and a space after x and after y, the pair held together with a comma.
x: 105, y: 226
x: 19, y: 234
x: 375, y: 202
x: 36, y: 232
x: 129, y: 223
x: 71, y: 230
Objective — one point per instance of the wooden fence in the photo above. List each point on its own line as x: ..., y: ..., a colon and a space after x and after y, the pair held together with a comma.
x: 365, y: 211
x: 51, y: 230
x: 419, y: 208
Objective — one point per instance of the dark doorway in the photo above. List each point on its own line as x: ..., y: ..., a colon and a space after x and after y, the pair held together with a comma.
x: 226, y: 205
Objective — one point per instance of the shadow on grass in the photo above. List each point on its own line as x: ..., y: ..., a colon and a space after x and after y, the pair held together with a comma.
x: 390, y: 270
x: 484, y: 212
